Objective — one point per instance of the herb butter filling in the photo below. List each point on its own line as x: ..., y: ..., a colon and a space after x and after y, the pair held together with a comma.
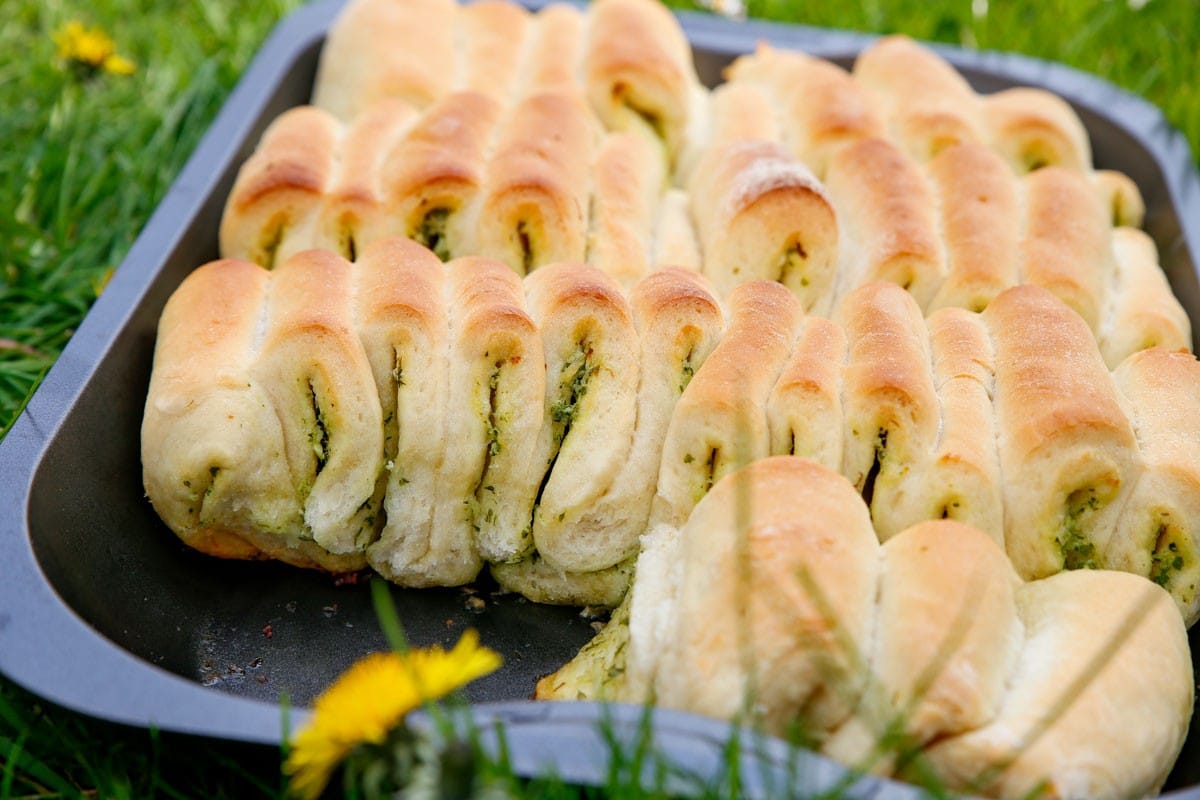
x: 1077, y: 549
x: 432, y: 232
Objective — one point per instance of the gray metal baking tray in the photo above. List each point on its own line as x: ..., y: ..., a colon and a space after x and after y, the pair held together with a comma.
x: 104, y: 612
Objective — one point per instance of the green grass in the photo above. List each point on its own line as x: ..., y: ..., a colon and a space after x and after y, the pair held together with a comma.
x: 86, y: 159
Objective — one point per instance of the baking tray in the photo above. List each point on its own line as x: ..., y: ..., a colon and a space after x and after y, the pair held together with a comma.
x: 103, y: 611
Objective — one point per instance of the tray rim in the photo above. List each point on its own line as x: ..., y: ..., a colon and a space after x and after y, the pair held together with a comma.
x: 68, y: 665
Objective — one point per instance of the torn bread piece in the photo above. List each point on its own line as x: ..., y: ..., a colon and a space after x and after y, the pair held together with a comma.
x: 433, y: 177
x: 979, y: 206
x: 892, y: 415
x: 928, y: 105
x: 1067, y: 450
x: 887, y: 215
x: 361, y: 62
x: 1098, y: 704
x: 534, y: 205
x: 820, y: 106
x: 272, y: 208
x: 315, y: 371
x: 1142, y: 310
x: 720, y: 422
x: 762, y: 215
x: 947, y: 640
x: 1158, y: 534
x: 403, y: 324
x: 213, y: 459
x: 1032, y: 128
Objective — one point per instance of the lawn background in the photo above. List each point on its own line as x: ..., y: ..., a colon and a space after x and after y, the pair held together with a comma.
x: 87, y: 157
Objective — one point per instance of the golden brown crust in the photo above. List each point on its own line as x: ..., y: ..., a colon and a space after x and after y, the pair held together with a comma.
x: 1158, y: 534
x: 980, y: 224
x: 1142, y: 312
x: 437, y: 171
x: 1067, y: 452
x: 805, y: 408
x: 349, y: 218
x: 360, y: 62
x: 494, y: 34
x: 1066, y: 247
x: 535, y: 201
x: 928, y: 105
x: 1033, y: 128
x: 720, y: 422
x: 761, y: 215
x: 741, y: 111
x: 638, y: 69
x: 889, y: 400
x: 272, y: 207
x: 628, y: 179
x: 888, y: 220
x: 820, y: 106
x: 551, y: 58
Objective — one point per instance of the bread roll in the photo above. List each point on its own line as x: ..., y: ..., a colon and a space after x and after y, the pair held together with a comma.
x: 1033, y: 128
x: 1157, y: 534
x: 761, y: 215
x: 1098, y: 704
x: 534, y: 205
x: 637, y: 67
x: 980, y: 213
x: 821, y: 108
x: 433, y: 178
x: 550, y: 62
x: 1121, y: 195
x: 212, y: 448
x: 629, y: 177
x: 590, y: 410
x: 804, y: 411
x: 272, y: 207
x: 675, y: 241
x: 1067, y: 451
x: 947, y: 639
x: 1142, y: 311
x: 889, y: 400
x: 361, y: 62
x: 494, y: 34
x: 927, y: 104
x: 1066, y: 247
x: 313, y: 368
x: 887, y: 218
x: 736, y: 647
x: 351, y: 212
x: 404, y: 327
x: 720, y: 422
x: 741, y: 111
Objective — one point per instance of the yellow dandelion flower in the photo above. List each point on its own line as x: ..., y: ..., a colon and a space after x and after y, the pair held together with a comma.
x: 374, y: 696
x: 90, y: 48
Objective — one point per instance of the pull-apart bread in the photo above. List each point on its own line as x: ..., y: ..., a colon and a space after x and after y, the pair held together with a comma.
x: 925, y: 655
x: 517, y: 293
